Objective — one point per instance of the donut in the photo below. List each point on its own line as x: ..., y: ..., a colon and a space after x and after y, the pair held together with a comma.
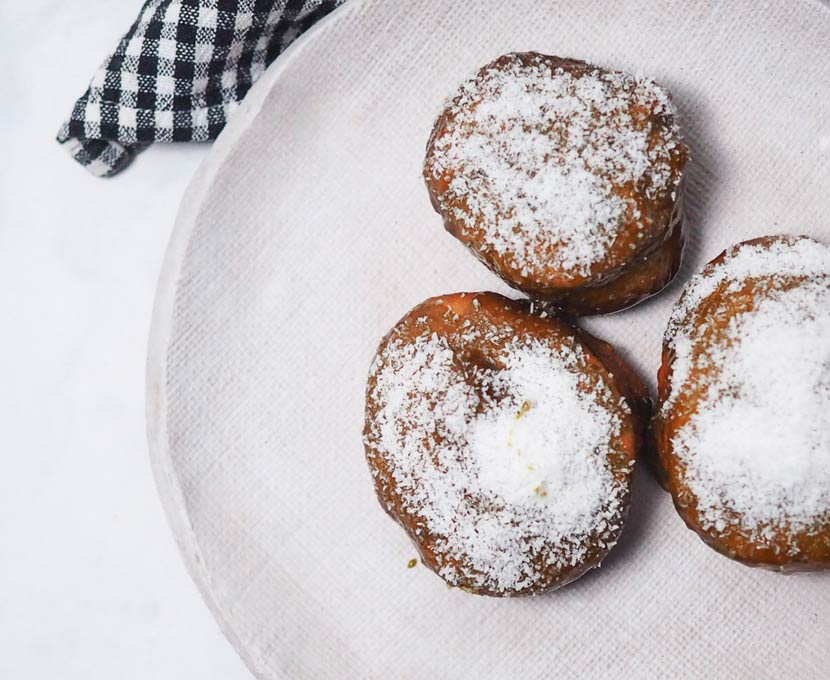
x: 742, y: 427
x: 503, y: 440
x: 564, y: 179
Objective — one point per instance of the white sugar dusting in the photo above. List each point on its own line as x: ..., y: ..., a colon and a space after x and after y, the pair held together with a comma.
x: 786, y: 257
x: 537, y: 152
x: 522, y: 454
x: 529, y: 443
x: 757, y: 451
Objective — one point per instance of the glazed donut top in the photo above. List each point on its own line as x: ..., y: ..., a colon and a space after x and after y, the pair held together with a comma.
x: 550, y: 156
x: 750, y: 381
x: 505, y: 459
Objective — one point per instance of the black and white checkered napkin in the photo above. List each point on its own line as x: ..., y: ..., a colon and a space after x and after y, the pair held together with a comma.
x: 178, y: 73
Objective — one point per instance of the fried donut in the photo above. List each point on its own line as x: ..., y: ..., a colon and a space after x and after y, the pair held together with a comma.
x: 564, y: 179
x: 742, y: 431
x: 503, y: 441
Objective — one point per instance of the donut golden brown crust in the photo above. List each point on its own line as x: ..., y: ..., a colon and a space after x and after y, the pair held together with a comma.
x: 644, y: 277
x: 502, y: 440
x: 564, y: 179
x: 742, y: 429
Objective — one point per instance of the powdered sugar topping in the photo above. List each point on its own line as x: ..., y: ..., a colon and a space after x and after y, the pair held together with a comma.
x: 536, y: 154
x: 757, y: 451
x: 784, y: 258
x: 508, y: 467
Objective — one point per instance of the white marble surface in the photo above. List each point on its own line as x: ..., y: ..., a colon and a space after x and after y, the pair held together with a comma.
x: 91, y: 583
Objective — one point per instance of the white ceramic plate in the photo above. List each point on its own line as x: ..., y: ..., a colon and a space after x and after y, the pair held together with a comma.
x: 307, y: 233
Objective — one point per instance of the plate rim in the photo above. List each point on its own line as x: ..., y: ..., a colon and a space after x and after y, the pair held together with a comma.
x: 167, y: 483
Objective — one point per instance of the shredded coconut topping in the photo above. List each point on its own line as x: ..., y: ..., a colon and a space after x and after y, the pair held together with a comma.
x: 784, y: 258
x: 757, y: 450
x: 539, y: 156
x: 508, y: 467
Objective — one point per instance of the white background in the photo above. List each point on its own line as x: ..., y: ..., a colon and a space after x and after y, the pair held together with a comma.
x: 91, y: 582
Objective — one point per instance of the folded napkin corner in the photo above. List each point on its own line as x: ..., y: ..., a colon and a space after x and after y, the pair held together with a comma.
x: 178, y: 73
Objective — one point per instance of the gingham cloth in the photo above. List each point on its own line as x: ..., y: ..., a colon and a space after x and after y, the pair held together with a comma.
x: 178, y: 74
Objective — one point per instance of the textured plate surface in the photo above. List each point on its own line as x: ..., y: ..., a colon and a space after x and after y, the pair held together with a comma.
x: 307, y: 233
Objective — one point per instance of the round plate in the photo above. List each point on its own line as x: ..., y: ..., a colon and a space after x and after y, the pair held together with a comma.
x: 308, y: 232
